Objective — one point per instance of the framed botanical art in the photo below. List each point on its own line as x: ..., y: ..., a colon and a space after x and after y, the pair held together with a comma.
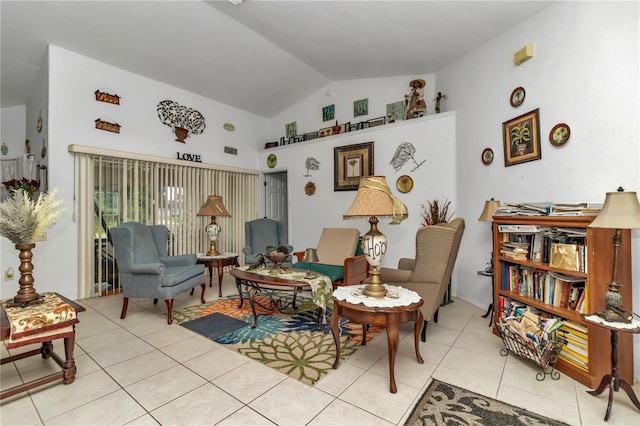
x: 487, y: 156
x: 521, y: 137
x: 517, y: 97
x: 361, y: 107
x: 328, y: 112
x: 350, y: 163
x: 291, y: 129
x: 559, y: 135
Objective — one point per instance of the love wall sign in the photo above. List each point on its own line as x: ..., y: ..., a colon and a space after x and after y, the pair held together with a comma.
x: 189, y: 157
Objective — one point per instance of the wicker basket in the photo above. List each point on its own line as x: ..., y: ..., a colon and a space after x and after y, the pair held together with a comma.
x: 543, y: 352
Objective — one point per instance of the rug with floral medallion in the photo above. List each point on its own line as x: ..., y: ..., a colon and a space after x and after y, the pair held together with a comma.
x: 288, y: 341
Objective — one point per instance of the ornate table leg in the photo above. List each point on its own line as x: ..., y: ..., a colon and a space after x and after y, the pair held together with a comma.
x: 392, y: 341
x: 416, y: 335
x: 613, y: 380
x: 335, y: 319
x: 252, y: 303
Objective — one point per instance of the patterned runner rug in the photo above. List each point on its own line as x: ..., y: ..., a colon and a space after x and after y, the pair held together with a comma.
x: 444, y: 404
x: 289, y: 341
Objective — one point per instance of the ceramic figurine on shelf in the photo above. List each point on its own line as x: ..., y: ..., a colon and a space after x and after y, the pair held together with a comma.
x: 414, y: 101
x: 438, y: 99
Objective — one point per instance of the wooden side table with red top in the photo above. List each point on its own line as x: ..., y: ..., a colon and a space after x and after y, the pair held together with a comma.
x: 219, y: 262
x: 389, y: 312
x: 62, y: 330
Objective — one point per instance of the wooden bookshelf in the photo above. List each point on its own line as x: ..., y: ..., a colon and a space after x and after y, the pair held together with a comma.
x: 599, y: 263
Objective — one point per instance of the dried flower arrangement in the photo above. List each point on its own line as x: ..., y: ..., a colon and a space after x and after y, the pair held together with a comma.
x: 23, y: 220
x: 436, y: 213
x: 31, y: 186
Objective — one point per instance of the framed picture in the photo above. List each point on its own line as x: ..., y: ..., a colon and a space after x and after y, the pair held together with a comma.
x: 328, y: 112
x: 376, y: 121
x: 290, y: 129
x: 559, y: 135
x: 361, y: 107
x: 350, y: 163
x: 517, y: 97
x: 310, y: 135
x: 395, y: 111
x: 521, y: 137
x: 326, y: 131
x: 487, y: 156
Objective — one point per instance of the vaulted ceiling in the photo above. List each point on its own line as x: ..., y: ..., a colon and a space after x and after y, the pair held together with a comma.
x: 260, y: 56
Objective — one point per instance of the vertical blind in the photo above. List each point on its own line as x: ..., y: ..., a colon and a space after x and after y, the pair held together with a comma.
x: 116, y: 187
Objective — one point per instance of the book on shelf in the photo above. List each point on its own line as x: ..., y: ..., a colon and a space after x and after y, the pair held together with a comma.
x: 573, y: 360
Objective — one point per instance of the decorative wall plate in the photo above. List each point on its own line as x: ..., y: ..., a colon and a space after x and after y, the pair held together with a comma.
x: 404, y: 184
x: 487, y: 156
x: 559, y: 135
x: 517, y: 97
x: 272, y: 160
x: 310, y: 188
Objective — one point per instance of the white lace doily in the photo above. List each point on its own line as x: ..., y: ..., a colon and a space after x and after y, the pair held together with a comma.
x: 353, y: 294
x: 634, y: 325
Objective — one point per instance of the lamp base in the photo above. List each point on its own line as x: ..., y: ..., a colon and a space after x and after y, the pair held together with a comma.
x: 212, y: 250
x: 374, y: 286
x: 613, y: 314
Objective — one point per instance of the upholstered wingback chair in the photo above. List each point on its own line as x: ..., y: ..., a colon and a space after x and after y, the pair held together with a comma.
x: 429, y: 273
x: 259, y: 234
x: 145, y: 268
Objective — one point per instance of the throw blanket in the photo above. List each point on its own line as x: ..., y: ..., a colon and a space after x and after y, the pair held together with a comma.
x: 321, y: 287
x: 52, y: 319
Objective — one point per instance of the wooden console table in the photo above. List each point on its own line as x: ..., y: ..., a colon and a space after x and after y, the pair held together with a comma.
x: 68, y: 365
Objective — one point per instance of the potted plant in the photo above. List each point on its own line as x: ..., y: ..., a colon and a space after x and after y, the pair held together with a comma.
x: 436, y: 213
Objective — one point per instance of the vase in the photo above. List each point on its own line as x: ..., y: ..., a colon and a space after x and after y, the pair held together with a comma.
x: 26, y: 293
x: 181, y: 134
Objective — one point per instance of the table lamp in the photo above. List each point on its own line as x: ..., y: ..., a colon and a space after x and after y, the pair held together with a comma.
x: 213, y: 207
x: 374, y: 200
x: 310, y: 256
x: 490, y: 207
x: 621, y: 210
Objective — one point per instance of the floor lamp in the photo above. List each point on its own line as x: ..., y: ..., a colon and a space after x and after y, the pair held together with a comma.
x: 490, y: 207
x: 621, y: 210
x: 374, y: 200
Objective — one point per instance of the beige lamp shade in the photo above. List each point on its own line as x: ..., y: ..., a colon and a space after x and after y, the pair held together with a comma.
x: 490, y: 207
x: 374, y: 198
x: 621, y: 210
x: 213, y: 207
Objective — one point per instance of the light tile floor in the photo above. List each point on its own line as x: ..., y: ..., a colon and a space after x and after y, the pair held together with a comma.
x: 141, y: 371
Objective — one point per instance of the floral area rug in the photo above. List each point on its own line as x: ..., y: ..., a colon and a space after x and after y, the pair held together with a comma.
x: 289, y: 341
x: 444, y: 404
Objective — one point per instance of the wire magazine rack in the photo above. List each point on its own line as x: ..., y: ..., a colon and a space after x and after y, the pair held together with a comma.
x: 544, y: 352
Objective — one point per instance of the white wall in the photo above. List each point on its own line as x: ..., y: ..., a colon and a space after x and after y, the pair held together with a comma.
x: 584, y: 73
x: 71, y: 111
x: 12, y: 133
x: 434, y: 139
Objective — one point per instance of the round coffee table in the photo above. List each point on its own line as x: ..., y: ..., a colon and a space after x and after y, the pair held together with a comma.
x: 386, y: 312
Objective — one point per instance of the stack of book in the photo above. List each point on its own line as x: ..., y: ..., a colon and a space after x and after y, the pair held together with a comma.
x: 514, y: 250
x: 575, y: 351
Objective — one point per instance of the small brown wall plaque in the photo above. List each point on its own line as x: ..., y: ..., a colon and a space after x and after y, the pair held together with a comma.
x: 107, y: 97
x: 109, y: 127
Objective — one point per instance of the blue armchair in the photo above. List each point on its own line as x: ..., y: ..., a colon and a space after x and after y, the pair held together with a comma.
x: 146, y: 270
x: 259, y: 234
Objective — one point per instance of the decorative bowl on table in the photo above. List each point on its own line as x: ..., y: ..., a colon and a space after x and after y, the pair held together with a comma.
x: 277, y: 258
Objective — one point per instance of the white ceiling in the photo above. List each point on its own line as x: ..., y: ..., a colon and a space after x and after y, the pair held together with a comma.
x: 261, y: 56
